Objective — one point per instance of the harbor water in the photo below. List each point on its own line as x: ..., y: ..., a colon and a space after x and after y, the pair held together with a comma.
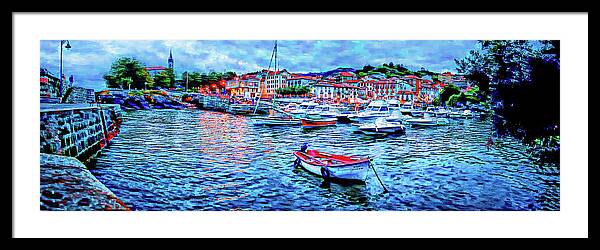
x: 204, y: 160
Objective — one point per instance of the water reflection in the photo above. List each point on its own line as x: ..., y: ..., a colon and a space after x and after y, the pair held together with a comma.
x: 202, y: 160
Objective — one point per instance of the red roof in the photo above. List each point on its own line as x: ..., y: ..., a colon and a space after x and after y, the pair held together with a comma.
x: 352, y: 81
x: 155, y: 68
x: 343, y: 85
x: 301, y: 77
x: 346, y: 74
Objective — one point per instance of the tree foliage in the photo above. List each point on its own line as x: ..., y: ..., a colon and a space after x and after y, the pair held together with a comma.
x: 165, y: 79
x: 126, y: 73
x: 293, y: 90
x: 526, y: 78
x: 447, y: 92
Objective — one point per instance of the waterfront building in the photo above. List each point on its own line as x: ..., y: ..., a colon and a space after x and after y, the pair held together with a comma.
x: 353, y: 82
x: 49, y: 85
x: 245, y: 86
x: 344, y: 76
x: 445, y: 77
x: 301, y: 81
x: 461, y: 81
x: 457, y: 80
x: 275, y: 80
x: 338, y: 92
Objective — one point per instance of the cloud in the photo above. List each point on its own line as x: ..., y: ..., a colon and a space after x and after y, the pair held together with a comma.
x: 89, y: 60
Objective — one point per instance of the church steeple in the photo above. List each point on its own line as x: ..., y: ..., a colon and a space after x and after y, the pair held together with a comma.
x: 170, y: 59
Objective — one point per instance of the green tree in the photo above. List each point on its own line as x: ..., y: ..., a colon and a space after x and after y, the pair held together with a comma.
x: 229, y: 75
x: 526, y: 80
x: 127, y: 73
x: 194, y: 80
x: 165, y: 79
x: 448, y: 91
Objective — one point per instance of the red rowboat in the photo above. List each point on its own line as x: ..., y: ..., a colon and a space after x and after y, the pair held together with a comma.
x: 311, y: 123
x: 330, y: 166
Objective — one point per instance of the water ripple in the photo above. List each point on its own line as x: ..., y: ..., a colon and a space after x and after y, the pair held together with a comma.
x: 203, y: 160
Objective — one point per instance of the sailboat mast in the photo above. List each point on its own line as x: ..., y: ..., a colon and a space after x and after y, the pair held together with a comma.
x: 276, y: 77
x: 265, y: 78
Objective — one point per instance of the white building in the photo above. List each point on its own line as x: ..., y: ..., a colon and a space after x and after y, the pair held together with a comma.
x: 276, y: 80
x: 300, y: 81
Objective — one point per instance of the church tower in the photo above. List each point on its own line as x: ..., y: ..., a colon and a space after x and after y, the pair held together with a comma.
x: 170, y: 59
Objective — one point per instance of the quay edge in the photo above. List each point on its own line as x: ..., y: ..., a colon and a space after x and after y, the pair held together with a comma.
x: 71, y: 135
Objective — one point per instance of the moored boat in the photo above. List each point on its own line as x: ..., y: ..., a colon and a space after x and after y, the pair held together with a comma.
x: 347, y: 117
x: 394, y: 105
x: 328, y: 111
x: 241, y: 109
x: 381, y: 126
x: 275, y: 121
x: 315, y: 123
x: 304, y: 108
x: 397, y: 116
x: 377, y: 108
x: 406, y: 108
x: 468, y: 114
x: 427, y: 121
x: 331, y: 166
x: 453, y: 113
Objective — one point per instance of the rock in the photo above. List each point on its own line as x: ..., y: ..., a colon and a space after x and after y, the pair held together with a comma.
x: 84, y: 202
x: 52, y: 194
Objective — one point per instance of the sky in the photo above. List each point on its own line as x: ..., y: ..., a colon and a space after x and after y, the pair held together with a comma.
x: 89, y: 60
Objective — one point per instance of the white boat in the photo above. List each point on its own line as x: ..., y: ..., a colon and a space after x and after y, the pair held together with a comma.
x: 290, y: 107
x: 328, y: 111
x: 427, y: 121
x: 430, y: 111
x: 455, y: 114
x: 305, y: 108
x: 378, y: 108
x: 393, y: 105
x: 417, y: 113
x: 397, y: 116
x: 275, y: 121
x: 468, y: 114
x: 381, y: 126
x: 406, y: 108
x: 441, y: 112
x: 330, y: 166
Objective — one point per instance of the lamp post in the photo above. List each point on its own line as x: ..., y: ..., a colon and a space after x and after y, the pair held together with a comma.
x: 68, y: 46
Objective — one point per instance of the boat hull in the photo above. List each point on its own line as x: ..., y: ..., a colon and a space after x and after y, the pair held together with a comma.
x: 309, y: 123
x: 388, y: 130
x: 354, y: 172
x: 274, y: 122
x: 421, y: 122
x: 346, y: 119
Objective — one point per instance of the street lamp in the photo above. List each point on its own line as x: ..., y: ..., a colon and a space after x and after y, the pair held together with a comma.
x: 68, y: 46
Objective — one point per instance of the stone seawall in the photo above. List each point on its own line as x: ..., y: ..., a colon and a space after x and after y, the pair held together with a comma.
x: 71, y: 135
x: 77, y: 130
x: 67, y: 185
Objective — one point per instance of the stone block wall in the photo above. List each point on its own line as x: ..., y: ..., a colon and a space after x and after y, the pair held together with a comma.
x: 78, y: 132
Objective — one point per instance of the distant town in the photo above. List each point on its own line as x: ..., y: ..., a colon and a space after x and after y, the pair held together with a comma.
x: 341, y: 85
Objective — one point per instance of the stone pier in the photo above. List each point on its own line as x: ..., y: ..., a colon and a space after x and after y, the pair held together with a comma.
x: 67, y: 185
x: 78, y: 130
x: 71, y: 135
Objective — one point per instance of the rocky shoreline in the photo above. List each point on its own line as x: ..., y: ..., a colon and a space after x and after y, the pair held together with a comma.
x: 149, y: 99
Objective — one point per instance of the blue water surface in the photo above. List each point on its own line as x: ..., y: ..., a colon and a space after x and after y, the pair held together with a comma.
x: 205, y: 160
